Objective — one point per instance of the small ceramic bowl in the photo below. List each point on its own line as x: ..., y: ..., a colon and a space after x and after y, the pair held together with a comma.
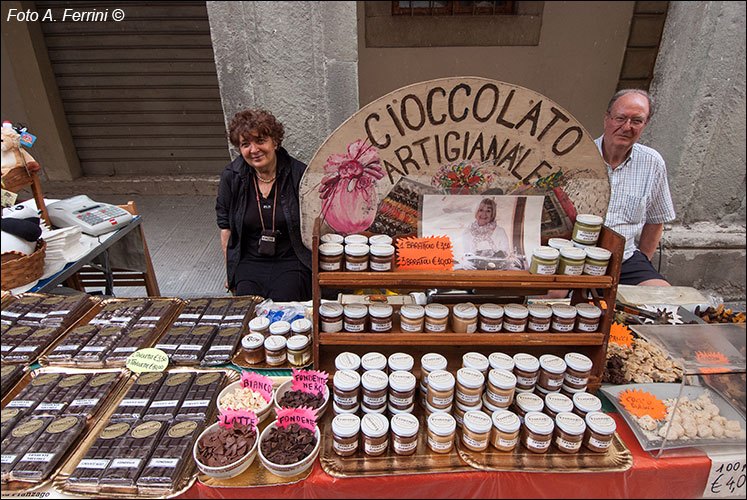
x: 286, y: 386
x: 290, y: 469
x: 227, y: 471
x: 262, y: 414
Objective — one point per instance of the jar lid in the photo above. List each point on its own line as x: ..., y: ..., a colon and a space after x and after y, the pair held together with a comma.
x: 298, y: 342
x: 600, y: 422
x: 587, y: 402
x: 433, y: 361
x: 466, y: 310
x: 412, y: 311
x: 583, y: 245
x: 253, y: 341
x: 259, y: 323
x: 598, y: 253
x: 588, y: 311
x: 402, y: 381
x: 436, y: 311
x: 501, y: 360
x: 558, y: 243
x: 506, y: 421
x: 347, y: 361
x: 503, y: 379
x: 540, y: 311
x: 275, y: 342
x: 380, y: 310
x: 529, y: 401
x: 552, y: 363
x: 573, y: 253
x: 516, y: 311
x: 356, y: 311
x: 330, y: 309
x: 379, y: 239
x: 440, y: 380
x: 401, y: 361
x: 280, y: 328
x: 346, y: 380
x: 374, y: 380
x: 570, y: 423
x: 475, y: 360
x: 526, y: 362
x: 547, y: 253
x: 382, y: 250
x: 373, y: 361
x: 470, y: 378
x: 404, y: 424
x: 558, y: 403
x: 441, y: 424
x: 477, y: 421
x: 301, y: 325
x: 491, y: 311
x: 346, y: 425
x: 590, y: 219
x: 538, y: 423
x: 578, y: 362
x: 564, y: 311
x: 330, y: 249
x: 331, y: 238
x: 374, y: 425
x: 356, y: 239
x: 356, y: 249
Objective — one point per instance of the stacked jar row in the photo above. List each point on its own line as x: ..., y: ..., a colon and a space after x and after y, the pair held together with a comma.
x: 278, y: 342
x: 356, y: 253
x: 463, y: 318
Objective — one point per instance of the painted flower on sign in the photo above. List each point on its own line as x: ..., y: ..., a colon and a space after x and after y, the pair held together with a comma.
x: 461, y: 178
x: 348, y: 190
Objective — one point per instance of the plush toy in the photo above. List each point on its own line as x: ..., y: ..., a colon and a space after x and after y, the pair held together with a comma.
x: 13, y: 155
x: 20, y: 229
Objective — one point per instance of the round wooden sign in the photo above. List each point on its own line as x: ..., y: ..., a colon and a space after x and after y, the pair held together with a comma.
x: 464, y: 135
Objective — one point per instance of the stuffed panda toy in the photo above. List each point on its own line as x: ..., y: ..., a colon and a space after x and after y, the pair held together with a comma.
x: 20, y: 229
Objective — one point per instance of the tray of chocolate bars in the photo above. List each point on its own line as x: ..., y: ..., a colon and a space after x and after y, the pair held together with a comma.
x: 143, y: 444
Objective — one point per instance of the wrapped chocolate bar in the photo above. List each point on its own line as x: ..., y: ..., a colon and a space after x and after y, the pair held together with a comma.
x: 96, y: 349
x: 237, y: 312
x: 32, y: 346
x: 13, y: 337
x: 71, y: 344
x: 34, y: 392
x: 171, y: 456
x: 56, y: 400
x: 23, y: 303
x: 138, y: 397
x: 64, y: 309
x: 128, y: 343
x: 43, y: 456
x: 157, y: 314
x: 222, y: 346
x: 88, y: 472
x: 214, y: 312
x: 18, y: 441
x: 172, y: 339
x: 9, y: 417
x: 120, y: 313
x: 93, y: 394
x: 9, y: 376
x: 35, y: 315
x: 201, y: 396
x: 193, y: 345
x: 192, y: 312
x: 130, y: 455
x: 169, y: 398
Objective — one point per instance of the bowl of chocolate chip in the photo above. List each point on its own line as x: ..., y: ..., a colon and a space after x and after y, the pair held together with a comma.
x: 225, y: 453
x: 287, y: 398
x: 243, y: 398
x: 288, y: 451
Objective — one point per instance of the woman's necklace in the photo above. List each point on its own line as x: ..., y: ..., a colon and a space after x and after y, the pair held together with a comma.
x: 266, y: 181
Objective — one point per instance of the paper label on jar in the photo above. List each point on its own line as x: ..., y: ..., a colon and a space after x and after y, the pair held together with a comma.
x: 404, y: 447
x: 498, y: 398
x: 404, y: 402
x: 474, y: 443
x: 573, y: 380
x: 599, y: 444
x: 586, y: 327
x: 593, y: 270
x: 90, y: 463
x: 374, y: 402
x: 586, y: 236
x: 381, y: 327
x: 354, y: 327
x: 526, y: 381
x: 331, y: 326
x: 472, y: 327
x: 380, y: 266
x: 573, y: 270
x: 346, y: 447
x: 508, y: 443
x: 435, y: 401
x: 438, y: 445
x: 329, y: 266
x: 562, y: 327
x: 406, y: 327
x: 510, y: 327
x: 277, y: 359
x: 546, y: 268
x: 491, y: 327
x: 356, y: 266
x: 538, y: 327
x: 431, y: 327
x: 468, y: 398
x: 539, y: 445
x: 343, y: 402
x: 125, y: 463
x: 567, y: 445
x: 164, y: 462
x: 37, y: 457
x: 373, y: 449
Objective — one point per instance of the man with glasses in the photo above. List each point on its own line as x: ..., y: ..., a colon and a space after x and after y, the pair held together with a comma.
x: 640, y: 202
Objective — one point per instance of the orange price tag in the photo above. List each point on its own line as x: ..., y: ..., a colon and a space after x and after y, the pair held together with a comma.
x: 711, y: 358
x: 432, y: 252
x: 640, y: 403
x: 621, y: 335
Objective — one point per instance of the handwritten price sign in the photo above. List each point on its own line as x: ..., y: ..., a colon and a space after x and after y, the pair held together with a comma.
x: 621, y: 335
x: 432, y: 252
x: 311, y: 381
x: 257, y: 382
x: 305, y: 417
x: 727, y: 477
x: 640, y: 403
x: 228, y: 417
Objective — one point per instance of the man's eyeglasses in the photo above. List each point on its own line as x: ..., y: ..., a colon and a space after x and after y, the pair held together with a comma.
x: 620, y: 120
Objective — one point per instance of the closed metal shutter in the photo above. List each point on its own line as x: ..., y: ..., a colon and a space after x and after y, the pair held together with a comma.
x: 141, y: 95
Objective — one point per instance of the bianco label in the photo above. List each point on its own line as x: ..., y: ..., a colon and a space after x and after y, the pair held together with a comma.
x: 346, y: 447
x: 93, y: 464
x: 164, y: 462
x: 125, y: 463
x: 593, y: 270
x: 568, y: 445
x: 373, y: 449
x: 197, y: 403
x: 355, y: 266
x: 434, y: 327
x: 379, y: 266
x: 37, y: 457
x: 539, y: 327
x: 599, y: 444
x: 540, y: 445
x: 561, y: 327
x: 164, y: 404
x: 380, y: 327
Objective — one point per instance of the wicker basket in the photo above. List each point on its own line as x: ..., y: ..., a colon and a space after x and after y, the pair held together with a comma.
x: 19, y: 269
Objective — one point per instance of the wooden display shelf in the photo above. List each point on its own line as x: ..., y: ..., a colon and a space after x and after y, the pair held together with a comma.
x: 460, y: 339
